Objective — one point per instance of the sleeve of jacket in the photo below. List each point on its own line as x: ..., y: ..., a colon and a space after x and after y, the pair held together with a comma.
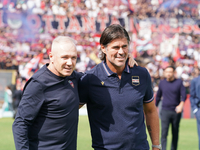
x: 149, y: 97
x: 28, y: 109
x: 193, y: 95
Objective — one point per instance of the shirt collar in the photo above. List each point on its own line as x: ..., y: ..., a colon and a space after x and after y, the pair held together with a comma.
x: 109, y: 72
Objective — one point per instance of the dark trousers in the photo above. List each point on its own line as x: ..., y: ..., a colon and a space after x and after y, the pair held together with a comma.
x: 198, y: 124
x: 169, y: 117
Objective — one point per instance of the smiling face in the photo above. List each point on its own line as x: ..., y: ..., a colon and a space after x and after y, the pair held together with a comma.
x: 63, y: 59
x: 116, y: 54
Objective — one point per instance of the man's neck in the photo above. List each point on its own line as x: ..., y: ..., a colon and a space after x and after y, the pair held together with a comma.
x: 116, y: 69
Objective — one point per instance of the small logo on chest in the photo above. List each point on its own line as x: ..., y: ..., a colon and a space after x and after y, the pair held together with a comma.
x: 71, y: 83
x: 102, y: 83
x: 135, y: 80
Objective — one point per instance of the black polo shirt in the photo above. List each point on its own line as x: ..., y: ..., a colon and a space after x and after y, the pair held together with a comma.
x: 115, y: 107
x: 47, y: 116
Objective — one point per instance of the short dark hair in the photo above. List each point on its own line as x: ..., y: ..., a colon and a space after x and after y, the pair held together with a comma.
x: 170, y: 67
x: 112, y: 32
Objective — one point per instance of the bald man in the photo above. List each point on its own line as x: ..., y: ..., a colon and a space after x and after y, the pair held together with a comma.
x: 47, y: 116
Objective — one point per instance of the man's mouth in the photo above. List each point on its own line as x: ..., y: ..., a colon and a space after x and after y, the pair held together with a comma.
x: 69, y: 69
x: 121, y: 58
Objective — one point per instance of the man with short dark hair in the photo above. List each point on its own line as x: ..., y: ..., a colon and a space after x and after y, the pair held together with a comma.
x: 117, y: 97
x: 173, y: 95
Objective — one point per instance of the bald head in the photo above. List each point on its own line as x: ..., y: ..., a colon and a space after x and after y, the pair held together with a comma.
x: 60, y: 42
x: 63, y: 56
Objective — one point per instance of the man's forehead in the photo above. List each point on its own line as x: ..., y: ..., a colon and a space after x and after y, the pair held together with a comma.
x: 119, y: 41
x: 69, y: 51
x: 64, y: 47
x: 67, y: 46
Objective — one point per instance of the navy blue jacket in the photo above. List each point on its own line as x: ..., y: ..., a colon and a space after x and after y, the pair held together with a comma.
x: 172, y: 93
x: 47, y: 115
x: 195, y: 93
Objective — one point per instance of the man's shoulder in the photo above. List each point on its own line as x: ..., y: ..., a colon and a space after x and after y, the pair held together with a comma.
x: 196, y: 78
x: 39, y: 72
x: 38, y: 76
x: 162, y: 81
x: 76, y: 75
x: 95, y: 69
x: 95, y: 72
x: 46, y: 78
x: 179, y: 80
x: 138, y: 70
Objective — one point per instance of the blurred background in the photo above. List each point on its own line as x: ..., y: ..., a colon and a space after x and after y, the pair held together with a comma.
x: 163, y: 32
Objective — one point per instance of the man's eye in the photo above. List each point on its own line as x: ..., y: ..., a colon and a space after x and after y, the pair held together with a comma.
x: 116, y: 48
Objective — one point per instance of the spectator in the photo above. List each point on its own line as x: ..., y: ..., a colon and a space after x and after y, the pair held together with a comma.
x: 195, y: 101
x: 173, y: 95
x: 8, y: 98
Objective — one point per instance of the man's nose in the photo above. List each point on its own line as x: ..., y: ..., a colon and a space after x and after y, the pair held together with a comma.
x: 69, y: 61
x: 121, y: 51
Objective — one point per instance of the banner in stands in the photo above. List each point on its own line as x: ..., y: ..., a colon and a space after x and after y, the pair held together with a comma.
x: 58, y: 23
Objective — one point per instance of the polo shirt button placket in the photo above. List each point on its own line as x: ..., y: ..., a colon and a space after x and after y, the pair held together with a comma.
x: 120, y: 88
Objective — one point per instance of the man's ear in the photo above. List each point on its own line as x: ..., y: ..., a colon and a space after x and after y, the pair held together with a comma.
x: 51, y: 57
x: 103, y: 48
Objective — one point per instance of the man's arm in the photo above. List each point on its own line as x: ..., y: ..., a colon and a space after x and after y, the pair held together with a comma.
x: 152, y: 122
x: 179, y: 108
x: 28, y: 109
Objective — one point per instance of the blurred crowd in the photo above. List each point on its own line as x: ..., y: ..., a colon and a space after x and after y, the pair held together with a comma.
x: 15, y: 54
x: 140, y: 8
